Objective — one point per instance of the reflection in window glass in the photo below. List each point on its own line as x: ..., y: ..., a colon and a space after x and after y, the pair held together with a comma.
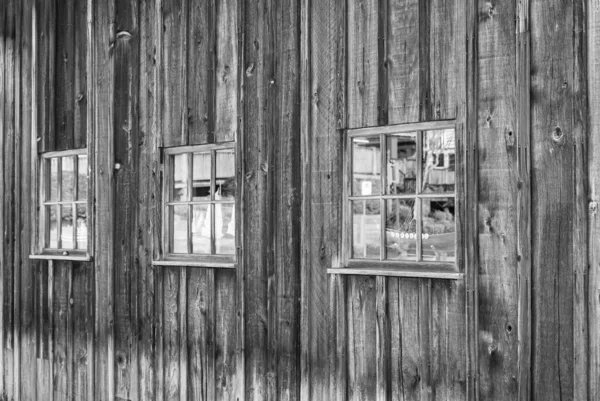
x: 401, y: 163
x: 66, y: 227
x: 201, y: 177
x: 400, y: 230
x: 81, y: 229
x: 54, y: 179
x: 179, y: 228
x: 366, y: 166
x: 225, y: 228
x: 366, y: 229
x: 439, y: 230
x: 67, y: 179
x: 438, y: 173
x: 180, y: 179
x: 82, y: 173
x: 201, y: 229
x: 225, y: 178
x: 51, y: 214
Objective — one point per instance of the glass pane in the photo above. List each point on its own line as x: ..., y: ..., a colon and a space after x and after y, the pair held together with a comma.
x: 180, y: 178
x: 438, y: 161
x: 68, y: 178
x: 51, y: 213
x: 201, y: 183
x: 66, y: 227
x: 401, y: 229
x: 439, y: 230
x: 82, y: 177
x: 54, y: 179
x: 201, y: 229
x: 179, y: 228
x: 225, y: 176
x: 366, y: 166
x: 366, y: 229
x: 401, y: 163
x: 225, y: 228
x: 81, y: 232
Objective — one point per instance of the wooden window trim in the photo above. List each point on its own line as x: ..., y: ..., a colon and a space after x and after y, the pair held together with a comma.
x: 168, y: 258
x: 39, y: 251
x: 423, y: 269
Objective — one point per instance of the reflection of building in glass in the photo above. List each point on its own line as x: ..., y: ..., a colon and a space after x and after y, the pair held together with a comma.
x: 438, y: 161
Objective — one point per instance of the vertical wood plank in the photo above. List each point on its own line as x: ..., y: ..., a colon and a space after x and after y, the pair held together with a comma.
x: 363, y: 63
x: 171, y: 334
x: 80, y: 104
x: 65, y: 74
x: 552, y: 188
x: 196, y: 336
x: 61, y: 332
x: 225, y: 335
x: 425, y: 332
x: 408, y: 295
x: 148, y: 199
x: 174, y: 70
x: 403, y: 61
x: 82, y: 323
x: 496, y: 138
x: 362, y: 329
x: 3, y: 175
x: 338, y: 328
x: 197, y: 71
x: 126, y: 153
x: 225, y: 75
x: 103, y: 75
x: 182, y: 340
x: 593, y: 168
x: 44, y: 326
x: 396, y: 389
x: 383, y: 340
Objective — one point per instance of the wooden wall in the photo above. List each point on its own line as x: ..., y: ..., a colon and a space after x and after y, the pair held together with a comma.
x: 285, y: 79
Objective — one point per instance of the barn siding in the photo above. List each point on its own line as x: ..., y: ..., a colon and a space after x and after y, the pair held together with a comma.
x: 285, y: 79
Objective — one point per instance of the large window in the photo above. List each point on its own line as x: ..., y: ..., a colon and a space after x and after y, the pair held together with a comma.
x: 401, y: 194
x: 64, y: 206
x: 200, y: 203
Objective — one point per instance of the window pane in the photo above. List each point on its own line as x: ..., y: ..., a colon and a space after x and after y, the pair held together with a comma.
x: 366, y: 166
x: 439, y: 230
x: 225, y: 176
x: 82, y: 177
x: 401, y: 230
x: 438, y: 161
x: 202, y: 168
x: 81, y: 227
x: 366, y: 229
x: 68, y: 178
x: 51, y: 213
x: 180, y: 178
x: 201, y: 229
x: 401, y: 163
x: 179, y: 228
x: 66, y: 227
x: 54, y: 179
x: 225, y: 228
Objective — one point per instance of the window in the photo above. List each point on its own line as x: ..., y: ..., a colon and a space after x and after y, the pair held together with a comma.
x: 401, y: 198
x: 199, y: 222
x: 64, y: 207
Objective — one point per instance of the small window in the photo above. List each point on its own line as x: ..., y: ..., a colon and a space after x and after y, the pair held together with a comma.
x: 199, y: 221
x: 402, y: 195
x: 64, y: 207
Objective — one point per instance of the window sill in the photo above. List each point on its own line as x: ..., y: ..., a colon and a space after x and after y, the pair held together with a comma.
x: 392, y: 269
x: 71, y: 258
x: 207, y: 262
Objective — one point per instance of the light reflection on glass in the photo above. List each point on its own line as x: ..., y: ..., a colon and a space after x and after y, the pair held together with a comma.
x: 438, y: 164
x: 201, y: 176
x: 66, y: 227
x: 400, y: 228
x: 201, y: 229
x: 82, y: 180
x: 179, y: 229
x: 366, y: 229
x: 439, y: 230
x: 225, y: 175
x: 225, y: 228
x: 401, y: 163
x: 81, y: 229
x: 366, y: 166
x: 180, y: 178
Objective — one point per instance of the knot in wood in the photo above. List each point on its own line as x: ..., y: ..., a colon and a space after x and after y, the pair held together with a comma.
x: 250, y: 70
x: 593, y: 207
x: 557, y: 134
x: 264, y: 167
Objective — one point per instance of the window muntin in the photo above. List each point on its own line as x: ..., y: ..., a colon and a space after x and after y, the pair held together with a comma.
x: 404, y: 211
x: 64, y: 202
x: 200, y: 198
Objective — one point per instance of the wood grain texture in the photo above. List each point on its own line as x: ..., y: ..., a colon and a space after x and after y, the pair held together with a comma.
x: 593, y: 169
x: 64, y: 81
x: 497, y: 224
x: 551, y: 190
x: 225, y: 334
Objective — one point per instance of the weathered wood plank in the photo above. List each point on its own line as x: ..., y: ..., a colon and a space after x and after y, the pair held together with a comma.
x: 3, y: 175
x: 552, y: 188
x: 148, y: 198
x: 383, y: 340
x: 410, y: 359
x: 403, y: 61
x: 81, y: 302
x: 80, y: 104
x: 497, y: 253
x: 225, y: 74
x: 456, y: 365
x: 174, y: 69
x: 225, y: 335
x: 64, y: 88
x: 363, y: 63
x: 425, y: 334
x: 62, y: 357
x: 170, y: 328
x: 593, y: 169
x: 103, y: 74
x: 362, y: 330
x: 197, y: 71
x: 126, y: 152
x: 338, y: 352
